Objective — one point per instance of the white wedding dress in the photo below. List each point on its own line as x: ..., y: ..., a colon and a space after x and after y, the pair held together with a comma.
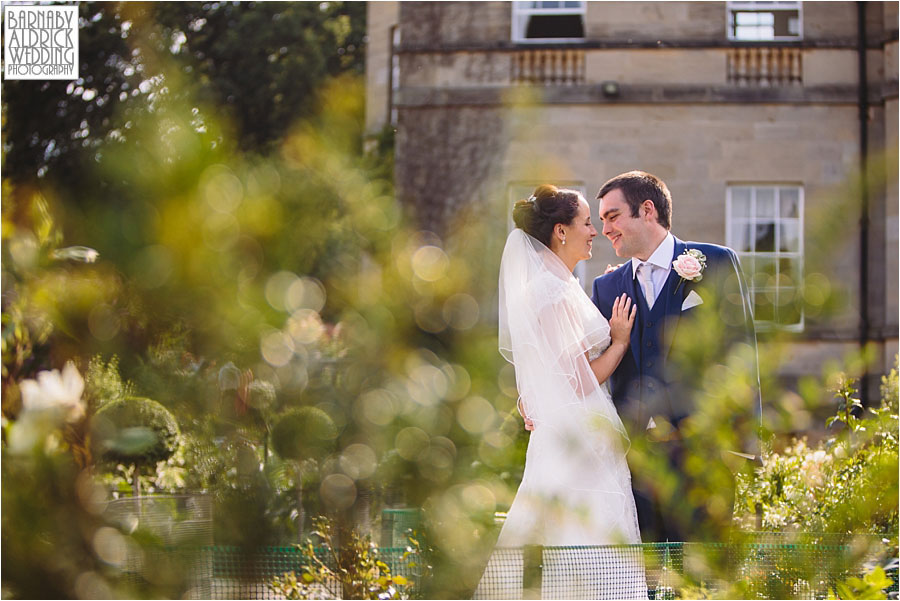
x: 576, y: 488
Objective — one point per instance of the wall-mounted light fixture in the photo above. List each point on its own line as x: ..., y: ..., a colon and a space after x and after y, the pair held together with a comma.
x: 610, y: 89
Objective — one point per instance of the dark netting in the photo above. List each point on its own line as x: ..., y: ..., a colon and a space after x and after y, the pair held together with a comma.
x: 608, y: 572
x: 235, y: 573
x: 403, y: 564
x: 243, y: 574
x: 754, y: 570
x: 395, y: 523
x: 173, y: 519
x: 669, y: 571
x: 503, y: 575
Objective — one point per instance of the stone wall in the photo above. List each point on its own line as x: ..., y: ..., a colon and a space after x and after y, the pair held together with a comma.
x: 443, y: 158
x: 458, y: 24
x: 455, y: 23
x: 673, y: 22
x: 467, y: 130
x: 699, y: 151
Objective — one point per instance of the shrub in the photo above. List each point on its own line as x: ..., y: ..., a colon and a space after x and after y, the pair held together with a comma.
x: 846, y: 484
x: 350, y: 560
x: 134, y: 431
x: 305, y: 432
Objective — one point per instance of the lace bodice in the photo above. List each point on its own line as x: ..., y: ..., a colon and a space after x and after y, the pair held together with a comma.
x: 597, y: 350
x: 547, y: 289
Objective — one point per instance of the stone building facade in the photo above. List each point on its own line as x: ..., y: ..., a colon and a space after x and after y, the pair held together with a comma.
x: 755, y: 114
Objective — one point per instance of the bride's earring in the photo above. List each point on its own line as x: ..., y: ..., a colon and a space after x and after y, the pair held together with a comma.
x: 564, y: 241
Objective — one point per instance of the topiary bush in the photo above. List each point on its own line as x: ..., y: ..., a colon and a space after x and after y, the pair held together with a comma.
x: 134, y: 431
x: 303, y: 433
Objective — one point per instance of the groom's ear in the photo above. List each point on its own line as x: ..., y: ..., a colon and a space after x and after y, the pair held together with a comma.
x: 648, y: 210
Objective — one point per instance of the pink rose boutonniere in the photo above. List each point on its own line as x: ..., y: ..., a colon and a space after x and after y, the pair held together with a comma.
x: 689, y: 266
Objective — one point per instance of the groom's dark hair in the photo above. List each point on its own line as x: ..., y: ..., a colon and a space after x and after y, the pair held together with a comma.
x: 638, y: 186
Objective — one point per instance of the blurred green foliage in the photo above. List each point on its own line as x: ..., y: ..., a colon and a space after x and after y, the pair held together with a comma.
x: 251, y: 294
x: 870, y: 586
x: 261, y: 63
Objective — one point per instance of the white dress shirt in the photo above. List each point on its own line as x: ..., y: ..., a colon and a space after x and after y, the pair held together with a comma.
x: 661, y: 260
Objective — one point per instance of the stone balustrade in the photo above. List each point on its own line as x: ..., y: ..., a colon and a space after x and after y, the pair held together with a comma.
x: 765, y: 66
x: 548, y: 66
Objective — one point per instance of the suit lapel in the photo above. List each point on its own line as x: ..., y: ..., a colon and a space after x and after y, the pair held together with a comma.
x: 631, y: 289
x: 674, y: 300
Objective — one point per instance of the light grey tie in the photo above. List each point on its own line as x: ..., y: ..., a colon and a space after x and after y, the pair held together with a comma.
x: 645, y: 277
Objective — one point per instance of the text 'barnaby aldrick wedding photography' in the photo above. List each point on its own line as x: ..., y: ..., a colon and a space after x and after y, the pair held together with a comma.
x: 41, y: 42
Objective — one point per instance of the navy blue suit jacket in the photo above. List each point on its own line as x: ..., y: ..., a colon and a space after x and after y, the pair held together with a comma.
x: 646, y: 383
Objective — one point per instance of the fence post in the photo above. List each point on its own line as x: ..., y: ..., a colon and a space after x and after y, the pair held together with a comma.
x: 532, y: 571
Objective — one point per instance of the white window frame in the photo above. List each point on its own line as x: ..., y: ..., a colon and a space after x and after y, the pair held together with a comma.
x: 522, y: 10
x: 761, y: 7
x: 731, y: 221
x: 522, y: 189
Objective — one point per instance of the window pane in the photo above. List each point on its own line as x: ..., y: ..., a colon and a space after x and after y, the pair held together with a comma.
x: 788, y: 311
x: 754, y: 33
x: 782, y: 22
x: 742, y: 241
x: 765, y: 237
x: 789, y: 232
x: 747, y: 266
x: 786, y: 296
x: 794, y: 26
x: 763, y: 310
x: 785, y: 278
x: 740, y: 202
x: 765, y: 202
x: 790, y: 268
x: 789, y: 200
x: 554, y: 26
x: 764, y: 273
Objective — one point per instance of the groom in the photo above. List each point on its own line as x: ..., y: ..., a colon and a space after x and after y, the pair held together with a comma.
x: 675, y: 285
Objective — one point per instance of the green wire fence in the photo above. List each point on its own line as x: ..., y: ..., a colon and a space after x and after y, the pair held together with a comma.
x: 761, y: 566
x: 650, y: 570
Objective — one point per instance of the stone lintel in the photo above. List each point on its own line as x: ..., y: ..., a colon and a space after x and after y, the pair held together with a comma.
x: 421, y: 97
x: 850, y: 43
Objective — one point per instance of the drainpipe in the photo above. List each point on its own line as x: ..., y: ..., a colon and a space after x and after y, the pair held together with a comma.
x: 864, y: 195
x: 392, y: 83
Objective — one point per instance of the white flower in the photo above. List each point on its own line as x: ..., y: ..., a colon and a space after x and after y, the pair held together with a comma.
x: 813, y: 468
x: 55, y: 391
x: 76, y: 253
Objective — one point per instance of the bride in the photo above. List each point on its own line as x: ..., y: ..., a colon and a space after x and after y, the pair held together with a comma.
x: 576, y: 487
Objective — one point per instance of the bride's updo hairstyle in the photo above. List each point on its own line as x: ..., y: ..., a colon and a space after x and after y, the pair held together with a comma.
x: 546, y: 207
